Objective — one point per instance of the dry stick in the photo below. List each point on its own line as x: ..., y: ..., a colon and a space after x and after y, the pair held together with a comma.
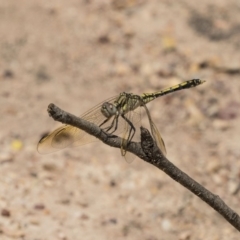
x: 149, y: 152
x: 156, y: 158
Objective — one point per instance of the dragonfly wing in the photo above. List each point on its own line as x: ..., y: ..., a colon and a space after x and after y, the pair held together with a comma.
x: 157, y: 137
x: 63, y: 137
x: 45, y: 143
x: 69, y: 136
x: 156, y: 134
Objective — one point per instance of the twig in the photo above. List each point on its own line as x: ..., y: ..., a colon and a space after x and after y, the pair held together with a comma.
x: 149, y: 152
x: 156, y: 158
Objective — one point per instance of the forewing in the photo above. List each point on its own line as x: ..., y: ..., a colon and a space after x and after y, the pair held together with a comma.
x: 69, y: 136
x: 62, y: 137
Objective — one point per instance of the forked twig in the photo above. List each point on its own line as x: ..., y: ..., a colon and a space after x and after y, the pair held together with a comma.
x: 149, y: 152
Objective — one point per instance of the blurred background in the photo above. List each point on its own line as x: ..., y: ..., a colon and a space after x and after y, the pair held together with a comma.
x: 76, y: 54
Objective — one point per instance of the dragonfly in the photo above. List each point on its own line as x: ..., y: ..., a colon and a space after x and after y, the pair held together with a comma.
x: 119, y: 115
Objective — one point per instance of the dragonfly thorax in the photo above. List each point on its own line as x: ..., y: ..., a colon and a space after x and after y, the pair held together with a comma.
x: 108, y: 109
x: 127, y: 102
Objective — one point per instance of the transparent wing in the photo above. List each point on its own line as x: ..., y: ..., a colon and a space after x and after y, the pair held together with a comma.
x: 69, y: 136
x: 155, y: 133
x: 157, y: 137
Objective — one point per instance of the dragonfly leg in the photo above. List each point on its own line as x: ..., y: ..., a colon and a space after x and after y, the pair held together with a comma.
x: 114, y: 122
x: 106, y: 120
x: 132, y: 129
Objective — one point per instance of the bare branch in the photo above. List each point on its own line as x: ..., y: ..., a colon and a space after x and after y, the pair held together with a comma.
x: 149, y: 152
x: 156, y: 158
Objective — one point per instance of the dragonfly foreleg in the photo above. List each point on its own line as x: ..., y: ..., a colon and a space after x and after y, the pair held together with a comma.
x: 114, y: 123
x: 106, y: 120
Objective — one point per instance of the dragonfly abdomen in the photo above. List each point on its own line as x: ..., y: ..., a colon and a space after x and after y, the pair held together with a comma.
x: 147, y: 97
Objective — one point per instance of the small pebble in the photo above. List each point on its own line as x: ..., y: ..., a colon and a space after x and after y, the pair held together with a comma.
x: 6, y: 213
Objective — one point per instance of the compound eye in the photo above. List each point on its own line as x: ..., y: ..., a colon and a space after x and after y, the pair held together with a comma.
x: 111, y: 106
x: 108, y: 109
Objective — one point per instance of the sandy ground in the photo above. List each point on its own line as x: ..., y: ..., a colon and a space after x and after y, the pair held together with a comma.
x: 78, y: 53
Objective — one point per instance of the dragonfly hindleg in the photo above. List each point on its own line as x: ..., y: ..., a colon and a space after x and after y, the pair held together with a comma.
x: 132, y: 131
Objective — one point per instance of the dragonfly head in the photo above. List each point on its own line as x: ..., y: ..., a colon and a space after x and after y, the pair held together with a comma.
x: 108, y: 109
